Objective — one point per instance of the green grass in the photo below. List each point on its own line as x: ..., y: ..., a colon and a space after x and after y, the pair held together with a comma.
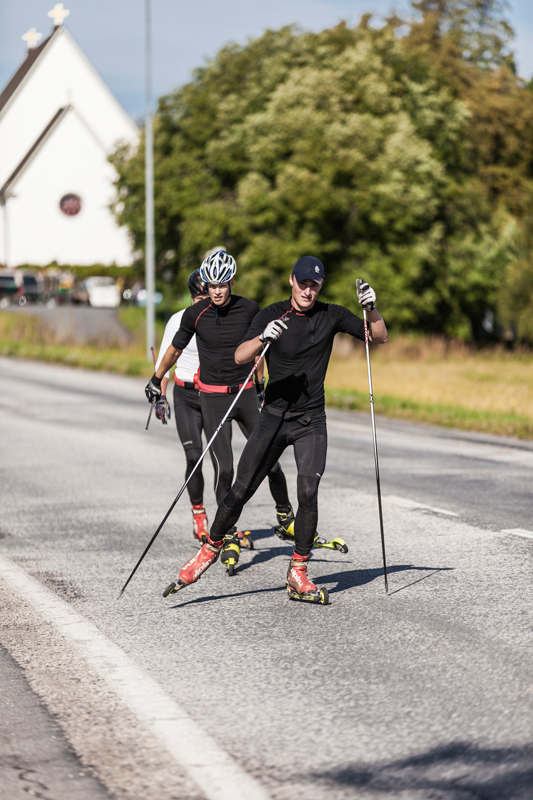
x: 495, y: 422
x: 82, y: 357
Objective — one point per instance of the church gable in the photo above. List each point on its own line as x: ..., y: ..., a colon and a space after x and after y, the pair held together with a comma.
x: 19, y: 76
x: 58, y: 124
x: 58, y: 75
x: 59, y: 203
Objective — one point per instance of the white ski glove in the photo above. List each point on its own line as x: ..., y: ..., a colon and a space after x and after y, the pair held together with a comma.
x: 366, y: 295
x: 273, y: 331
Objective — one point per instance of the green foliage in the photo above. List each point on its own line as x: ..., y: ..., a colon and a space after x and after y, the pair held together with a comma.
x: 476, y: 27
x: 400, y: 159
x: 133, y: 273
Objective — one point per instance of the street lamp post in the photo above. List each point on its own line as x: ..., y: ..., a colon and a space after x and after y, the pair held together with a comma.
x: 149, y: 192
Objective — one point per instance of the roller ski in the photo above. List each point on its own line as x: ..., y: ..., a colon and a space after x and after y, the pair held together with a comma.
x: 285, y: 530
x: 299, y: 587
x: 195, y: 568
x: 199, y: 523
x: 231, y: 550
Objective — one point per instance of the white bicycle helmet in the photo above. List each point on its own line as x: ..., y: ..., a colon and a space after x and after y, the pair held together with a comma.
x: 218, y: 268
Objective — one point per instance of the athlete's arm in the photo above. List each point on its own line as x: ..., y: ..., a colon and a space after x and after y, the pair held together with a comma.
x: 248, y: 351
x: 377, y: 330
x: 348, y: 322
x: 167, y: 362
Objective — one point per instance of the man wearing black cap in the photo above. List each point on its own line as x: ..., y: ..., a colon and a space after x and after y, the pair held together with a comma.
x: 301, y: 331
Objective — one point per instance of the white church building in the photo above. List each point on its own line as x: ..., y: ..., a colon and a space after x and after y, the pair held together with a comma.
x: 58, y: 124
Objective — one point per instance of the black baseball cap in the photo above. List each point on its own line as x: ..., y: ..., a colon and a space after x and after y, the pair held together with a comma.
x: 309, y: 268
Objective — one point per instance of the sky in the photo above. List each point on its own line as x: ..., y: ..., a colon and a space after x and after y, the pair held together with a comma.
x: 185, y: 34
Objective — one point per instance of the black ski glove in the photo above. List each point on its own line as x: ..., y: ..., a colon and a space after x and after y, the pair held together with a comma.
x: 162, y: 409
x: 152, y: 389
x: 260, y: 389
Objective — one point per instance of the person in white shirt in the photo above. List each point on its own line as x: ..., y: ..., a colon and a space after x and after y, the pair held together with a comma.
x: 187, y: 411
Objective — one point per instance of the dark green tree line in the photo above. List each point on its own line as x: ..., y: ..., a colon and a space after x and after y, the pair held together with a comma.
x: 402, y: 155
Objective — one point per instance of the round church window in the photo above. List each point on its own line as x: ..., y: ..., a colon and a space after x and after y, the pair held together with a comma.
x: 70, y: 204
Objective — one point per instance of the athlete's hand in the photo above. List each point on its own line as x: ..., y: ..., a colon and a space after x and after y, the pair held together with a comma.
x: 152, y: 389
x: 366, y: 295
x: 260, y: 389
x: 162, y: 409
x: 273, y: 331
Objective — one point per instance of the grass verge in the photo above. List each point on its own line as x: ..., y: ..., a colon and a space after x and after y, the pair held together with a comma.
x: 500, y: 423
x: 493, y: 380
x: 82, y: 357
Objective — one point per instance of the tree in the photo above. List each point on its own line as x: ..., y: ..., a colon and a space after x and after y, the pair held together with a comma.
x: 476, y: 27
x: 351, y: 144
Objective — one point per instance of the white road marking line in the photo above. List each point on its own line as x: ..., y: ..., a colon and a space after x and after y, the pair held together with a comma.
x: 405, y: 503
x: 519, y: 532
x: 215, y: 772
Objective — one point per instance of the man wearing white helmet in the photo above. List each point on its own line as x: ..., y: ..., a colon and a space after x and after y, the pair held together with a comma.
x: 220, y: 322
x: 301, y: 331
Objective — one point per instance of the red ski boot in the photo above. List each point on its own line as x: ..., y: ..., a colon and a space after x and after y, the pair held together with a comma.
x: 199, y: 523
x: 299, y: 587
x: 193, y: 569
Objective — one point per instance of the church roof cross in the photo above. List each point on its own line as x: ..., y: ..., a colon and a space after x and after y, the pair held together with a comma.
x: 58, y: 14
x: 32, y: 37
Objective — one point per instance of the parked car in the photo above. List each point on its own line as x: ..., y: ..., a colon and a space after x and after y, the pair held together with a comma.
x: 99, y: 292
x: 10, y: 282
x: 137, y: 294
x: 32, y: 289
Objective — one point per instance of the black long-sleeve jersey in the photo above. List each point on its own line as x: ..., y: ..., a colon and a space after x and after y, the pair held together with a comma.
x: 218, y: 334
x: 298, y: 360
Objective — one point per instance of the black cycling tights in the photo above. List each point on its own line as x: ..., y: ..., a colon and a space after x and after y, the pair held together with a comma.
x: 188, y: 416
x: 270, y: 437
x: 246, y: 415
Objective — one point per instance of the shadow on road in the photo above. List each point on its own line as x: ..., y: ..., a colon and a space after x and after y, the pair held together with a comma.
x: 211, y: 597
x: 454, y: 771
x: 359, y: 577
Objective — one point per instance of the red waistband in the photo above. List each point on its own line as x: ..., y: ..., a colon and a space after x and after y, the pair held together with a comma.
x: 205, y: 387
x: 186, y: 384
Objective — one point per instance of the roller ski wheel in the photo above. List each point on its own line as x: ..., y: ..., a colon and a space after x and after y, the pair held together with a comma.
x: 285, y: 531
x: 231, y: 551
x: 321, y: 596
x: 199, y: 523
x: 245, y: 539
x: 335, y: 544
x: 299, y: 587
x: 172, y: 588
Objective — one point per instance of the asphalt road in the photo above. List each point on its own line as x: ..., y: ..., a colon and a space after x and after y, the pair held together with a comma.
x: 424, y: 693
x: 79, y: 324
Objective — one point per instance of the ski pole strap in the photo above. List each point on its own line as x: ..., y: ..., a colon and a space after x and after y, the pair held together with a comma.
x: 209, y: 389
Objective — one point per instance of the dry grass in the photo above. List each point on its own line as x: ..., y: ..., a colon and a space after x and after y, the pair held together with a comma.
x: 425, y: 380
x: 448, y: 384
x: 428, y: 372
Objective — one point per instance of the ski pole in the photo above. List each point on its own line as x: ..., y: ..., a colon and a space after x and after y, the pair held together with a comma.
x: 208, y: 445
x: 374, y: 438
x: 152, y: 404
